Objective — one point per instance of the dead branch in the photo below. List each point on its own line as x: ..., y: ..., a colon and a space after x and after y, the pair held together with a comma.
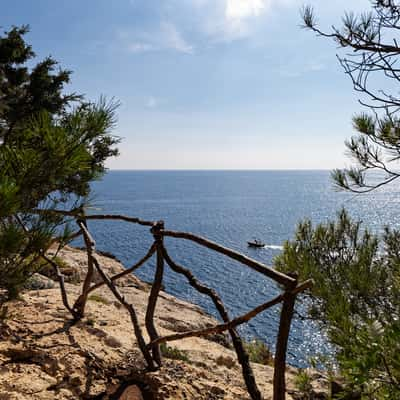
x: 241, y: 353
x: 281, y: 344
x: 257, y: 266
x: 128, y: 270
x: 154, y: 292
x: 234, y: 322
x: 60, y: 278
x: 90, y: 248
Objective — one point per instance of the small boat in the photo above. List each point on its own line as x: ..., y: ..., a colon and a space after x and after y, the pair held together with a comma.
x: 256, y: 243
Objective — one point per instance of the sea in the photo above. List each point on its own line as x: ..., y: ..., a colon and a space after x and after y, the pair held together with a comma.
x: 231, y: 207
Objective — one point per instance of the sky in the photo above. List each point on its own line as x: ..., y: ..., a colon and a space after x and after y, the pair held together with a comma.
x: 204, y: 84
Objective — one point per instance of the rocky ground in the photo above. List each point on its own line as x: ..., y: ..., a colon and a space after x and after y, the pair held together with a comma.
x: 44, y: 356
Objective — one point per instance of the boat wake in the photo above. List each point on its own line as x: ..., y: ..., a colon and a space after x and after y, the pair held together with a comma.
x: 274, y: 247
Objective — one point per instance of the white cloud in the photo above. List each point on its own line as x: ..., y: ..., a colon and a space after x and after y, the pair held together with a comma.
x: 184, y: 22
x: 236, y: 9
x: 229, y: 20
x: 165, y: 36
x: 173, y: 39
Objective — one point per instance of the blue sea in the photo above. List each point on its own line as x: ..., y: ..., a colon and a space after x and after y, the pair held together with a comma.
x: 230, y: 207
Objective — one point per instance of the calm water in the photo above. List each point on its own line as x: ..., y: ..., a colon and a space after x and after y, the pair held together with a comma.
x: 230, y: 208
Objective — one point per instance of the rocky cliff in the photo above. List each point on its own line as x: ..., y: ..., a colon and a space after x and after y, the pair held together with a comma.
x: 44, y: 356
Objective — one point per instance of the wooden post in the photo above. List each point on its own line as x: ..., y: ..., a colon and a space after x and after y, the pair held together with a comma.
x: 241, y: 353
x: 80, y: 303
x: 155, y: 290
x: 60, y: 278
x: 90, y: 248
x: 281, y: 343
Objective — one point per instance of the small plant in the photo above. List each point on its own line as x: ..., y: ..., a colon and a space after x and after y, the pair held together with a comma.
x: 303, y: 383
x: 173, y: 353
x: 98, y: 298
x: 258, y: 352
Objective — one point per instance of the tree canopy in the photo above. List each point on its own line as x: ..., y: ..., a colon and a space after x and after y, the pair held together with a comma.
x: 52, y: 146
x: 371, y: 43
x: 355, y: 298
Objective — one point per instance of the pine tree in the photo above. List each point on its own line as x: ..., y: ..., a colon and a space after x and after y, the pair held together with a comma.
x: 52, y: 146
x: 372, y: 40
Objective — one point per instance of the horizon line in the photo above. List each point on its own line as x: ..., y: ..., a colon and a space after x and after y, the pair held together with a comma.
x: 218, y: 169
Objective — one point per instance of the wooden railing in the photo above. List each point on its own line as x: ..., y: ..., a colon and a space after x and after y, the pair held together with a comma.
x: 151, y: 350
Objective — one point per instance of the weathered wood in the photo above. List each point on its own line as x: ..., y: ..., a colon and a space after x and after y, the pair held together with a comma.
x: 90, y: 246
x: 125, y: 218
x: 80, y: 303
x: 154, y: 292
x: 60, y: 278
x: 287, y: 298
x: 257, y: 266
x: 218, y: 328
x: 78, y: 214
x: 234, y: 322
x: 281, y: 345
x: 241, y: 353
x: 128, y: 270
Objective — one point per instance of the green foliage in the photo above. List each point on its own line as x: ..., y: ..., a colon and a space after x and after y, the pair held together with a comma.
x: 303, y: 384
x: 20, y: 251
x: 356, y: 298
x: 369, y: 38
x: 173, y: 352
x: 52, y: 146
x: 258, y: 352
x: 98, y: 298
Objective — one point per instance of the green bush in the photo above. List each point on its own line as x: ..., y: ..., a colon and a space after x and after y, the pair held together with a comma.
x: 98, y: 298
x: 173, y: 352
x: 355, y: 299
x: 258, y: 352
x: 303, y: 383
x: 52, y: 146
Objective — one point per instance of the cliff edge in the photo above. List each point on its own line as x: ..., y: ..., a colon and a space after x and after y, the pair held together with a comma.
x: 44, y: 356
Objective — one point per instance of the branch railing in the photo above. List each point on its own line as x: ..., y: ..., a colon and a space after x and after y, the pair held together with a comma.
x: 151, y: 350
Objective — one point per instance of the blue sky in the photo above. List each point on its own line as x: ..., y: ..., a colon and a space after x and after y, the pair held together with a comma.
x: 215, y: 84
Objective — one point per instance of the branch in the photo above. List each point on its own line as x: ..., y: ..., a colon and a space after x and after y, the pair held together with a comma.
x: 234, y: 322
x: 253, y: 264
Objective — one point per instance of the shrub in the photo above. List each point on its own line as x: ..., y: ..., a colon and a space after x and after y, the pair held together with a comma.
x: 303, y: 383
x: 173, y: 352
x: 258, y: 352
x: 52, y: 146
x: 98, y: 298
x: 355, y: 298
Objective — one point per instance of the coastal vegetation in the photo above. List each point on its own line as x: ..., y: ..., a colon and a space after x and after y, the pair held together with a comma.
x: 356, y: 295
x: 355, y: 299
x: 52, y: 146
